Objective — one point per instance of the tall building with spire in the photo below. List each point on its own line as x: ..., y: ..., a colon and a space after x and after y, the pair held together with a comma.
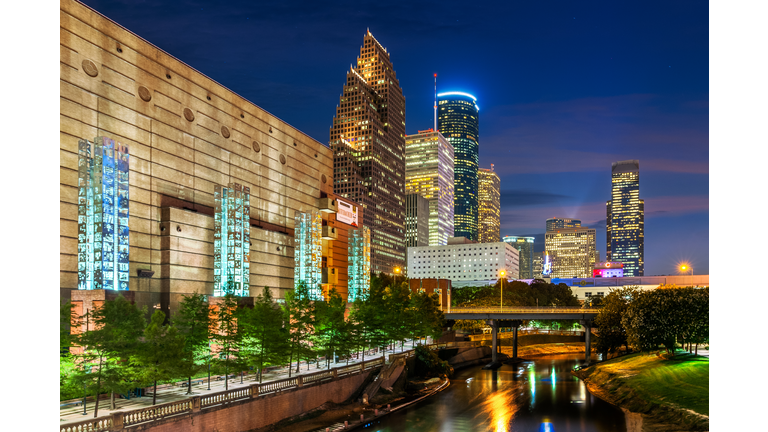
x: 458, y: 119
x: 625, y: 218
x: 368, y: 141
x: 489, y: 206
x: 429, y: 173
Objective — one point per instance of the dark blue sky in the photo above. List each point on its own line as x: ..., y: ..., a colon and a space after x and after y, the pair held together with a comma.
x: 564, y: 89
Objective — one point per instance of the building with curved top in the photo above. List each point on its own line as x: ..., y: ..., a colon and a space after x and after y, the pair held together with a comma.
x: 458, y: 119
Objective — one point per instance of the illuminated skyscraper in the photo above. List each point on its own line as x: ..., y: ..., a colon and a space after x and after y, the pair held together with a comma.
x: 458, y: 120
x: 524, y: 245
x: 559, y: 223
x: 429, y: 173
x: 489, y: 206
x: 416, y: 220
x: 625, y: 211
x: 368, y: 143
x: 573, y: 251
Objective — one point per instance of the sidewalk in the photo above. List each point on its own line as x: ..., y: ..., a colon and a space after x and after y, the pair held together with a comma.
x: 75, y: 413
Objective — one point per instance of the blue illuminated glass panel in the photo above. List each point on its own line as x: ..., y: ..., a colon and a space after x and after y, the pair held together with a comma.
x: 103, y: 214
x: 359, y: 270
x: 308, y: 252
x: 232, y: 240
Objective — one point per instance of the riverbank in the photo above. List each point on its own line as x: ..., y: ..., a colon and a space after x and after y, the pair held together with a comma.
x: 333, y: 416
x: 659, y: 394
x: 545, y: 349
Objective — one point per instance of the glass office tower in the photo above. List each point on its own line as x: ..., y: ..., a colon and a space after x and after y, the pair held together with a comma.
x: 625, y: 212
x: 368, y: 142
x: 429, y: 173
x: 489, y: 206
x: 524, y: 245
x: 458, y: 120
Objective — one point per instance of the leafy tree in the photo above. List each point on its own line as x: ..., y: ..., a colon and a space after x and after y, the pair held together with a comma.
x: 264, y: 341
x: 427, y: 317
x: 160, y: 354
x: 396, y: 301
x: 299, y: 315
x: 70, y: 379
x: 227, y: 337
x: 193, y: 323
x: 112, y: 336
x: 331, y: 326
x: 611, y: 332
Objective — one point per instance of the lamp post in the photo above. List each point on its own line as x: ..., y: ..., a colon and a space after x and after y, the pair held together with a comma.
x: 686, y: 267
x: 501, y: 300
x: 397, y: 273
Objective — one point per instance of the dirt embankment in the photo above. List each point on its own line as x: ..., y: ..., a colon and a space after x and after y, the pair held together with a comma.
x: 642, y: 415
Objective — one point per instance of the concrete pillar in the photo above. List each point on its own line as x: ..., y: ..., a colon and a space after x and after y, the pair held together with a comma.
x: 254, y: 391
x: 495, y: 331
x: 196, y: 403
x: 514, y: 342
x: 587, y: 339
x: 117, y: 420
x: 299, y: 381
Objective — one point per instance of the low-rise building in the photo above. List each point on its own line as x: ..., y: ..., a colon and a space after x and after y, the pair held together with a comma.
x: 465, y: 263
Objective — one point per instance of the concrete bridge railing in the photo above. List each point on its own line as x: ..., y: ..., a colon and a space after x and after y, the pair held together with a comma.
x: 118, y: 420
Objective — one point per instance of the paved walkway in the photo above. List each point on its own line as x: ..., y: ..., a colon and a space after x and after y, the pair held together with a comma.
x: 71, y: 414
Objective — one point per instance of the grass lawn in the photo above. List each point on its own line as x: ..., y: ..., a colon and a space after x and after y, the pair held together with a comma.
x: 682, y: 380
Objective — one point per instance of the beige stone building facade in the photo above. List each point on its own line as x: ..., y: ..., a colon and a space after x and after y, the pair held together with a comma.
x: 185, y: 134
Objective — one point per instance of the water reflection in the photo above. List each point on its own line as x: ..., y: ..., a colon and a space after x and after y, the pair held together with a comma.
x: 532, y: 396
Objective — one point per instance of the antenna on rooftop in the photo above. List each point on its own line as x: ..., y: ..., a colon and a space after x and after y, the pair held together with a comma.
x: 435, y: 103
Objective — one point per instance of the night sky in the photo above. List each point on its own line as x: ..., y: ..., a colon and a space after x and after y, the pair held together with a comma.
x: 564, y: 88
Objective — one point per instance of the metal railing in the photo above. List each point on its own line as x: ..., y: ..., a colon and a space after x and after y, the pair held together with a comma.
x: 157, y: 412
x: 521, y: 309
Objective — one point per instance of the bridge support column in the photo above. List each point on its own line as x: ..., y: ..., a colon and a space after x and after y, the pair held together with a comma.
x: 587, y: 340
x: 495, y: 330
x: 515, y: 325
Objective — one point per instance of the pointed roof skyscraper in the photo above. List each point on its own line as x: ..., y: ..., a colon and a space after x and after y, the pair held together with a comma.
x: 368, y: 140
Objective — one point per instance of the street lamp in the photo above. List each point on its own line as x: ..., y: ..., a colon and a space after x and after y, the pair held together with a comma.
x: 685, y: 267
x: 397, y: 273
x: 501, y: 301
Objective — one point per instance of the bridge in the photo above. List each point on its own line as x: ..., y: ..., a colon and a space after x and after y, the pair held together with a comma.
x: 515, y: 314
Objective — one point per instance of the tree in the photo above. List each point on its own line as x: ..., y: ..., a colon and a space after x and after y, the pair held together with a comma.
x: 331, y: 326
x: 427, y: 317
x: 611, y: 332
x: 160, y: 354
x: 264, y: 341
x: 226, y: 337
x: 299, y: 315
x: 193, y: 323
x: 70, y: 376
x: 396, y: 301
x: 112, y: 336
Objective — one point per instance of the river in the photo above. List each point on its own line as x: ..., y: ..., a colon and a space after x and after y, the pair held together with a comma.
x: 534, y: 396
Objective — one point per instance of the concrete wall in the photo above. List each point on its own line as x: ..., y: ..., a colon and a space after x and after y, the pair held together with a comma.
x: 185, y: 133
x: 260, y: 412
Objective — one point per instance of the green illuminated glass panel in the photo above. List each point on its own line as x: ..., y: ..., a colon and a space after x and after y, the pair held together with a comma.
x: 232, y: 240
x: 103, y: 213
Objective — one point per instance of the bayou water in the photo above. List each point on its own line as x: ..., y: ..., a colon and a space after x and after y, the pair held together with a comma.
x: 533, y: 396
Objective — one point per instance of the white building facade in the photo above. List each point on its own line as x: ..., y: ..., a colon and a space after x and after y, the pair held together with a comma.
x: 467, y: 264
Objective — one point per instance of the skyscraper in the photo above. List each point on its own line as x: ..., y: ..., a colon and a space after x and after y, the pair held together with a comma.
x: 573, y: 252
x: 558, y: 223
x: 429, y: 173
x: 625, y: 211
x: 524, y: 245
x: 368, y: 142
x: 416, y: 220
x: 489, y: 206
x: 458, y: 120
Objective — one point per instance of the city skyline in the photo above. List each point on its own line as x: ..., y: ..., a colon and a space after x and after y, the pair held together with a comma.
x: 612, y: 90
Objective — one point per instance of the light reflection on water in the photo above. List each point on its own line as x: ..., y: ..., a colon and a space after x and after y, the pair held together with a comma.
x: 527, y: 397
